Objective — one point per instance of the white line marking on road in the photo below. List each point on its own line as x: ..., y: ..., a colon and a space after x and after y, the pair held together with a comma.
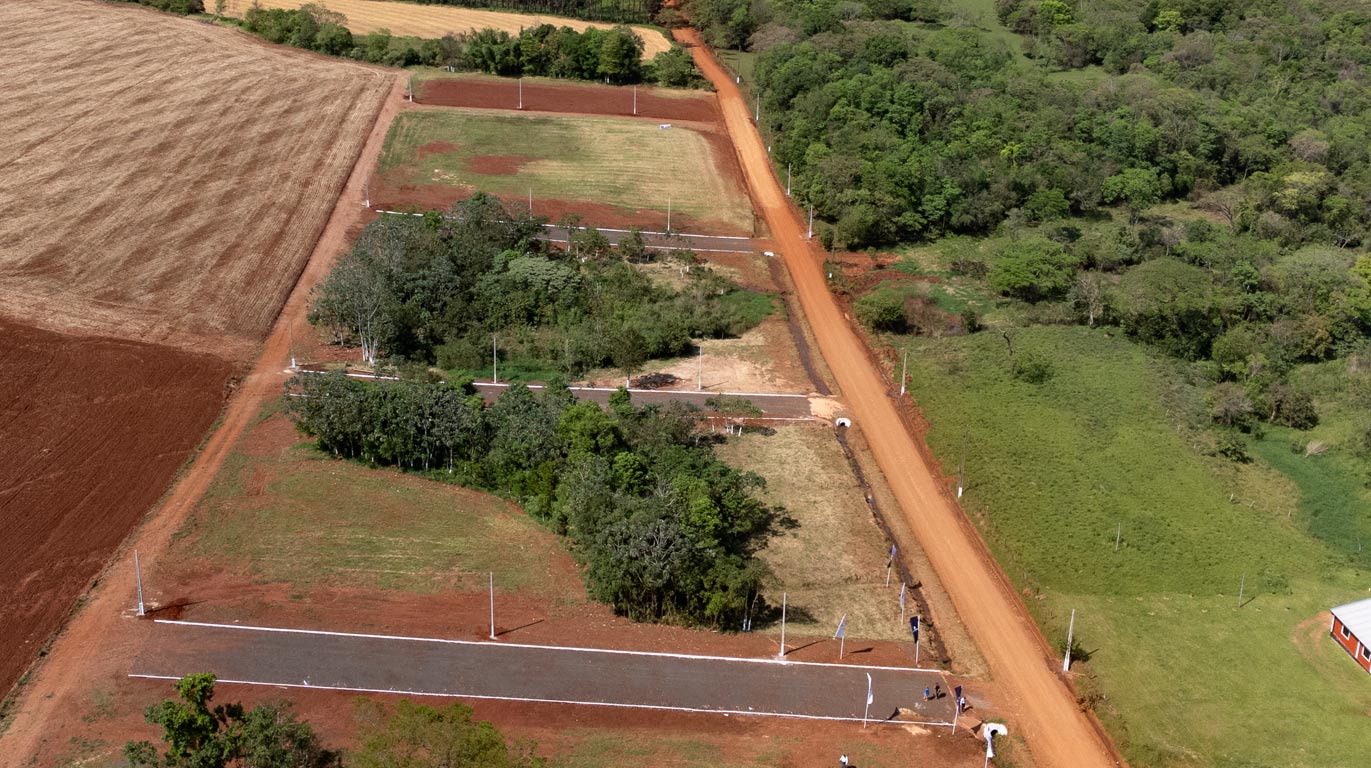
x: 493, y: 644
x: 529, y: 700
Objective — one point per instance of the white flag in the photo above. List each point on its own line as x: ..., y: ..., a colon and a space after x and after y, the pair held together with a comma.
x: 870, y: 697
x: 902, y: 586
x: 842, y: 627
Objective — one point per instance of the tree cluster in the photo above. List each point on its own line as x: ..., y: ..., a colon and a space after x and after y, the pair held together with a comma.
x: 614, y: 11
x: 609, y: 55
x: 663, y: 529
x: 270, y: 736
x: 183, y: 7
x: 438, y: 288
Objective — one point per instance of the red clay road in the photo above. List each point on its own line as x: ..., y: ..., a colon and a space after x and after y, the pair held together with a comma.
x: 538, y: 673
x: 1046, y: 715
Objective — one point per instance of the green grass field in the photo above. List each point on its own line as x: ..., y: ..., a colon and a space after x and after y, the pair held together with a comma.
x: 623, y: 163
x: 1055, y: 470
x: 297, y: 516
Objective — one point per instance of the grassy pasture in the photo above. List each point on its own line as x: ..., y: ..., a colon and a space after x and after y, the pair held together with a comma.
x: 618, y: 162
x: 303, y: 518
x: 1055, y: 470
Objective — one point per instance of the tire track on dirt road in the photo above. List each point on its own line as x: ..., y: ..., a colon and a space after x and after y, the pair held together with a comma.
x: 1045, y: 713
x: 96, y: 637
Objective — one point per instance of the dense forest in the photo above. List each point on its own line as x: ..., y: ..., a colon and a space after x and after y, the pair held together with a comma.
x: 663, y: 529
x: 439, y: 288
x: 1063, y: 146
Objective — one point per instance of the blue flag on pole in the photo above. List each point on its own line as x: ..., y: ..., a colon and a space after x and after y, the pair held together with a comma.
x: 892, y: 553
x: 914, y: 627
x: 902, y: 586
x: 842, y: 627
x: 870, y: 697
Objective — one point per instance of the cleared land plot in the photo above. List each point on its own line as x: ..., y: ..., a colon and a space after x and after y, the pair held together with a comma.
x: 1056, y: 471
x: 627, y: 167
x: 833, y: 563
x: 169, y: 182
x: 440, y: 88
x: 282, y: 512
x: 93, y: 430
x: 411, y: 19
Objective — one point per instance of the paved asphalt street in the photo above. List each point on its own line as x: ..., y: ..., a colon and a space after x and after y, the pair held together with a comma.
x: 516, y: 672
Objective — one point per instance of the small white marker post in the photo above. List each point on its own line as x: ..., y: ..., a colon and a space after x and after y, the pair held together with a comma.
x: 904, y: 372
x: 1070, y: 628
x: 521, y: 93
x: 635, y: 99
x: 409, y: 89
x: 138, y: 576
x: 788, y: 168
x: 810, y: 235
x: 1241, y: 585
x: 781, y: 655
x: 1117, y: 535
x: 366, y: 195
x: 700, y: 368
x: 494, y: 360
x: 668, y: 216
x: 530, y: 201
x: 961, y: 471
x: 492, y: 605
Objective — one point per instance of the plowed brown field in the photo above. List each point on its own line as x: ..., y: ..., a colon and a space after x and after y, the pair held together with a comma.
x: 163, y: 179
x: 567, y: 98
x: 92, y: 431
x: 412, y: 19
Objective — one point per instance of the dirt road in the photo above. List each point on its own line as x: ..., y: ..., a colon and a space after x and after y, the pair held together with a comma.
x: 80, y: 654
x: 1044, y: 711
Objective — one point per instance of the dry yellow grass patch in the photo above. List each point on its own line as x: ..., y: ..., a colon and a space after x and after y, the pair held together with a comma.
x: 410, y: 19
x: 834, y: 562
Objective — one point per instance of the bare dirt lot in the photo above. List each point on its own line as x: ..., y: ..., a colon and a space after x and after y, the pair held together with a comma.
x: 167, y: 183
x: 541, y: 95
x: 93, y: 430
x: 414, y: 20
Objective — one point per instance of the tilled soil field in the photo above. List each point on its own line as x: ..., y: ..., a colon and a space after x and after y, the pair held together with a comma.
x: 92, y: 431
x: 575, y: 99
x: 164, y: 179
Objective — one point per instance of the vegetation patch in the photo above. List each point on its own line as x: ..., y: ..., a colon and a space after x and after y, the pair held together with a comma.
x: 612, y: 161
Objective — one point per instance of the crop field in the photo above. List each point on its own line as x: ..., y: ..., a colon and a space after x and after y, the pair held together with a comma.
x: 611, y: 170
x: 1109, y: 457
x: 413, y: 20
x: 168, y: 183
x: 93, y: 430
x: 833, y: 562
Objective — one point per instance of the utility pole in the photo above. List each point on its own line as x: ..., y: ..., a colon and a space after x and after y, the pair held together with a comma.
x: 788, y: 168
x: 668, y: 216
x: 961, y: 471
x: 494, y: 360
x: 138, y: 576
x: 521, y: 93
x: 781, y: 655
x: 810, y: 235
x: 700, y: 368
x: 904, y: 372
x: 492, y: 605
x: 530, y: 201
x: 635, y: 99
x: 1070, y: 628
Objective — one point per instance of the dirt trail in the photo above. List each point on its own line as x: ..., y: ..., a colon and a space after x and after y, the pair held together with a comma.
x: 92, y: 641
x: 1044, y: 711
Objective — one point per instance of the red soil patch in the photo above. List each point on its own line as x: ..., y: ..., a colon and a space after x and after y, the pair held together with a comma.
x: 572, y: 99
x: 93, y: 431
x: 496, y: 165
x: 435, y: 148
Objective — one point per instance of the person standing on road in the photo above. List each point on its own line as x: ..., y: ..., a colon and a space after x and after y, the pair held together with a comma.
x: 927, y: 694
x: 937, y: 691
x: 842, y: 760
